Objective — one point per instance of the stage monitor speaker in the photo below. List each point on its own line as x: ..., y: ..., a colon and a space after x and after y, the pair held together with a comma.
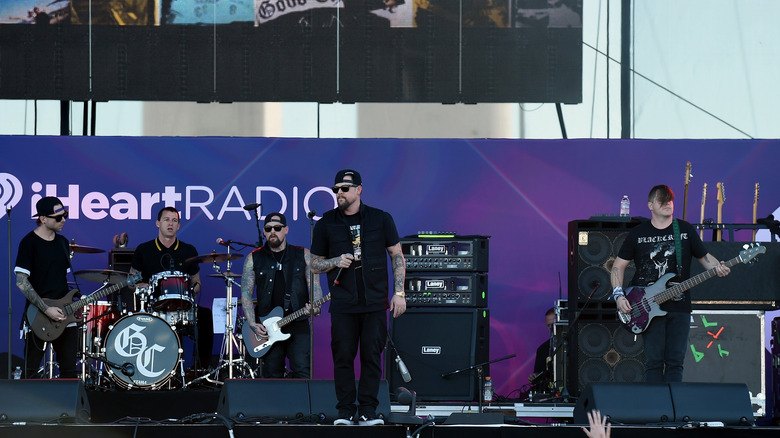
x: 602, y: 350
x: 728, y: 403
x: 593, y: 246
x: 50, y: 401
x: 274, y: 399
x: 627, y: 403
x: 323, y: 400
x: 433, y: 342
x: 651, y: 403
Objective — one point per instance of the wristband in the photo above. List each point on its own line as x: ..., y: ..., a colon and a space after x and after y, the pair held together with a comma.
x: 617, y: 292
x: 401, y: 294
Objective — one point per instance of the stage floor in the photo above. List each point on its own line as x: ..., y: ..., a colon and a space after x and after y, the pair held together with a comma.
x: 193, y: 413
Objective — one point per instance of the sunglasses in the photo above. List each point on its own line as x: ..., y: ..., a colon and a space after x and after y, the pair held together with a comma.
x: 344, y: 188
x: 59, y: 218
x: 276, y: 228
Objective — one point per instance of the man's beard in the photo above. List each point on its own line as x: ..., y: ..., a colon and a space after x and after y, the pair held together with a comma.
x: 345, y: 205
x: 275, y: 243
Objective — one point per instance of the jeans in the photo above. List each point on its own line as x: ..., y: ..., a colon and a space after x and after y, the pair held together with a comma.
x: 297, y: 350
x: 666, y: 343
x: 66, y: 349
x: 347, y: 332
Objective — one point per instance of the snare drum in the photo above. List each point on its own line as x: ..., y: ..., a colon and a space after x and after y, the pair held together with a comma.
x: 171, y: 291
x: 146, y: 346
x: 179, y: 318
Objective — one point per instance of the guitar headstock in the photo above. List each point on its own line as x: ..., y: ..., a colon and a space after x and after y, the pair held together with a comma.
x: 755, y: 195
x: 721, y: 193
x: 704, y: 194
x: 687, y: 173
x: 750, y: 252
x: 134, y: 278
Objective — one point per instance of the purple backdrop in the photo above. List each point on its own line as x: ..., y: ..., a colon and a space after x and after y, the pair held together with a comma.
x: 521, y: 193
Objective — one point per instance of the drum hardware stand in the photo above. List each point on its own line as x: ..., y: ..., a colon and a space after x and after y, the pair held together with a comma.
x: 50, y: 364
x: 229, y: 341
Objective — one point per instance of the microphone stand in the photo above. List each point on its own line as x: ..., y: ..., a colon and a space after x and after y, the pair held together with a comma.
x: 480, y: 374
x: 311, y: 215
x: 259, y: 232
x: 10, y: 290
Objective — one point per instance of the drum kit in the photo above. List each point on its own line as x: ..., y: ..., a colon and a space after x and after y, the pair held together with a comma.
x: 121, y: 348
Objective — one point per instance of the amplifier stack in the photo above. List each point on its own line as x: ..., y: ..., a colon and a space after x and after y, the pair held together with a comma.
x: 447, y: 323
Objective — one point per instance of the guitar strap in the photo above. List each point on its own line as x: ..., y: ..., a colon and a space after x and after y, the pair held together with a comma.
x: 677, y: 245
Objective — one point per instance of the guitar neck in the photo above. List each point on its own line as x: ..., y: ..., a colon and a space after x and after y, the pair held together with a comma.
x: 94, y: 297
x: 677, y: 289
x: 302, y: 311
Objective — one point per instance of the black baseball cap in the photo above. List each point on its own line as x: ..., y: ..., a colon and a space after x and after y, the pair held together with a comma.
x: 45, y: 207
x: 276, y: 217
x: 348, y: 172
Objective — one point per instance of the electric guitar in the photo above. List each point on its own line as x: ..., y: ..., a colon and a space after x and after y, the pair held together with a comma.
x: 721, y: 200
x: 755, y: 208
x: 49, y: 330
x: 703, y: 201
x: 646, y: 301
x: 685, y: 196
x: 258, y: 346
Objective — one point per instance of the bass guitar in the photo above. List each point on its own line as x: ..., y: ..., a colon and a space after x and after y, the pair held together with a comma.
x: 646, y: 301
x: 49, y: 330
x: 258, y: 346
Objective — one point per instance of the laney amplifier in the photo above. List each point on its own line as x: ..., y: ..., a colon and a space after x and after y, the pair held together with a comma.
x: 446, y: 290
x: 424, y: 252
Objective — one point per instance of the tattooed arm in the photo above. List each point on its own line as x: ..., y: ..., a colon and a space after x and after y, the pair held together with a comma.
x: 616, y: 278
x: 398, y: 302
x: 709, y: 262
x: 319, y: 264
x: 312, y: 281
x: 247, y: 288
x: 23, y: 283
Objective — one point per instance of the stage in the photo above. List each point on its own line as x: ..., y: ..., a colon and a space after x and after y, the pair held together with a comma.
x: 205, y: 413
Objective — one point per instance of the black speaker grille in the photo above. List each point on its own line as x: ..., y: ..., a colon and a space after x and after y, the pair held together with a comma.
x: 605, y: 352
x: 434, y: 342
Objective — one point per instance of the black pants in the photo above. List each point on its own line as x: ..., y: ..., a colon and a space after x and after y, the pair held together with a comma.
x: 66, y: 349
x: 348, y: 331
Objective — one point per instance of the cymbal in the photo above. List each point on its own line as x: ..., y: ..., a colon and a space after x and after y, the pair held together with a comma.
x: 101, y: 275
x: 81, y: 249
x: 213, y: 258
x: 231, y: 275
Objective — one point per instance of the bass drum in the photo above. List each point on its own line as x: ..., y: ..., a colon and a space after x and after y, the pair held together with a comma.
x: 147, y: 349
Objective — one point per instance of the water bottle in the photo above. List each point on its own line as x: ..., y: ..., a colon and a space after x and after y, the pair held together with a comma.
x: 625, y: 206
x: 487, y: 390
x: 18, y: 373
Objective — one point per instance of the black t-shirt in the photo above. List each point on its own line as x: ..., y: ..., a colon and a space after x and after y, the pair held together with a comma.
x: 654, y: 254
x: 153, y: 257
x: 47, y: 264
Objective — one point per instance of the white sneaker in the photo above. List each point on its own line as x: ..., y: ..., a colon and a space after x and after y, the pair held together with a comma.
x: 370, y: 421
x: 344, y: 421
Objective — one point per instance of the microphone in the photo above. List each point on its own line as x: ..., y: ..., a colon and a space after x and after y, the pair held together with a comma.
x: 336, y: 280
x: 252, y: 206
x: 595, y: 285
x: 311, y: 214
x: 128, y: 369
x: 402, y: 368
x: 224, y: 243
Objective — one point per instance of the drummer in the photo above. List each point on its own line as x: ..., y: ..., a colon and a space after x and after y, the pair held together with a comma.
x: 167, y: 253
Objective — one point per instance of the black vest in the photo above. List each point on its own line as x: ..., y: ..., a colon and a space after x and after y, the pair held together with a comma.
x: 294, y: 268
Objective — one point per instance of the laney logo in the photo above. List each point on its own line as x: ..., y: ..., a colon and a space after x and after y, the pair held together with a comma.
x: 426, y: 349
x: 434, y: 284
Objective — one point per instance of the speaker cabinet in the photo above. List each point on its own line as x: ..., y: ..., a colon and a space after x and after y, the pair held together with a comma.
x: 287, y: 399
x: 593, y: 246
x: 647, y: 403
x: 628, y: 403
x: 278, y: 399
x: 435, y: 342
x: 60, y: 400
x: 603, y: 351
